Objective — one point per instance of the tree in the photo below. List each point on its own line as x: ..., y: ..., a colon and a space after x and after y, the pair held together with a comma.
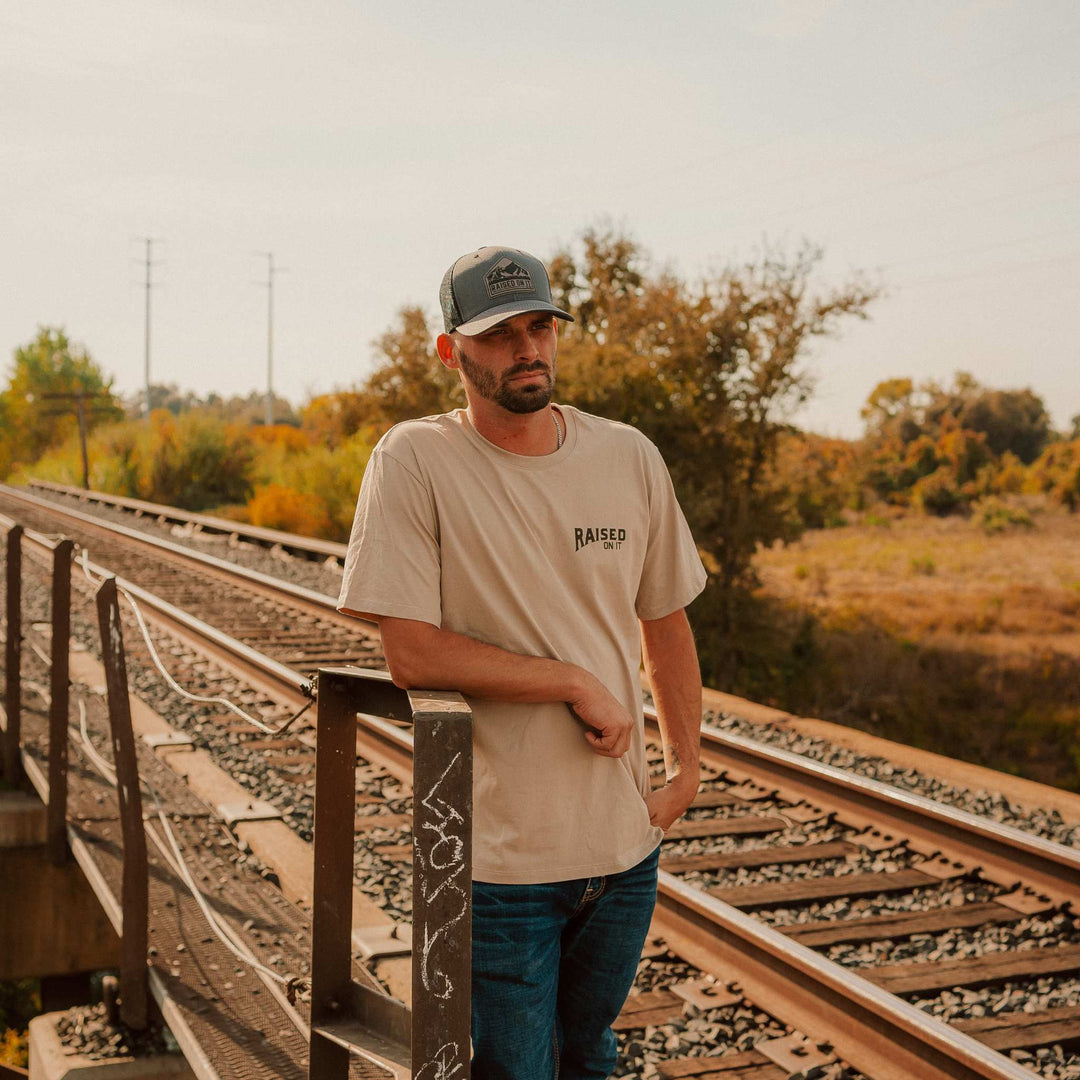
x: 711, y: 372
x: 50, y: 364
x: 411, y: 381
x: 1012, y: 420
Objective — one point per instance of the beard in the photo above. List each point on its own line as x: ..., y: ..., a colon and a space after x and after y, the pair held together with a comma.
x: 516, y: 399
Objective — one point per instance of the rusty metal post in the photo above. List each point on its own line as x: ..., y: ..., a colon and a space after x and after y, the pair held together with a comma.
x: 13, y: 654
x: 59, y: 683
x: 438, y: 1031
x: 442, y: 884
x: 331, y: 917
x: 135, y: 889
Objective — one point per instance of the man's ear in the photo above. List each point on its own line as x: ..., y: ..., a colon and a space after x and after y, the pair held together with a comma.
x: 444, y: 345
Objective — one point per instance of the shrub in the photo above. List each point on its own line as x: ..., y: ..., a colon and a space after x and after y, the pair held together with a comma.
x: 278, y: 507
x: 939, y: 493
x: 1057, y: 473
x: 995, y: 516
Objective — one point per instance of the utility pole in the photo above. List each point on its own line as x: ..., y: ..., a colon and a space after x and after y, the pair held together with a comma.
x: 271, y: 270
x: 149, y: 283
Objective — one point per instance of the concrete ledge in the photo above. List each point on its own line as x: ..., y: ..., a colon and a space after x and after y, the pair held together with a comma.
x: 49, y: 1060
x: 51, y: 923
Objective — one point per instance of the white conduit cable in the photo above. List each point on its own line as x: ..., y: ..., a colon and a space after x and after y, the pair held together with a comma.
x: 175, y: 861
x: 41, y: 654
x: 98, y: 761
x: 171, y: 682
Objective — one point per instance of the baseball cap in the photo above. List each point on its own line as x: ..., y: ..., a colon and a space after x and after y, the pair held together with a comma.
x: 492, y: 284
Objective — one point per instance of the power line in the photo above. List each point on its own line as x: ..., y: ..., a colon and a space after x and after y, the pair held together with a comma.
x: 1051, y: 234
x: 932, y: 174
x: 941, y: 279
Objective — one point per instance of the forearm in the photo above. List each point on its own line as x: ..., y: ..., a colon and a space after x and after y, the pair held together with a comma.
x: 671, y: 666
x: 422, y: 656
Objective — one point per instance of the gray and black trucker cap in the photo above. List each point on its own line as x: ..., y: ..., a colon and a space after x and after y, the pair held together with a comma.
x: 492, y: 284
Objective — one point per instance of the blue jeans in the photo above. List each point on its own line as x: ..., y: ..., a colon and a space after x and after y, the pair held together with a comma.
x: 552, y: 965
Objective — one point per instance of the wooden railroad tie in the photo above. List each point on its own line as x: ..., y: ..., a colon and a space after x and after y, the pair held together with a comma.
x: 977, y: 971
x: 898, y: 924
x: 768, y: 856
x: 747, y: 825
x: 778, y: 894
x: 748, y: 1065
x: 1025, y: 1031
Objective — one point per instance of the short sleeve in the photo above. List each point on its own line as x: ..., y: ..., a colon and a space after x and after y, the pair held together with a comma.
x: 393, y: 565
x: 672, y: 574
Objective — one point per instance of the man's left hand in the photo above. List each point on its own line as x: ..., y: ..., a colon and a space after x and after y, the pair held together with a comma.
x: 668, y: 803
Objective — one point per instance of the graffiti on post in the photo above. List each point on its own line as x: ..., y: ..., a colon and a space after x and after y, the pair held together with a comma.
x: 440, y: 873
x: 445, y: 1064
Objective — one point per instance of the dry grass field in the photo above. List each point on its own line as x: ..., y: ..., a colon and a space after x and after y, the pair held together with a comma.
x: 938, y: 632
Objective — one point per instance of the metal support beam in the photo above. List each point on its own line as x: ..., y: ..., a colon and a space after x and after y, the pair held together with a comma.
x: 59, y: 693
x: 134, y: 993
x: 442, y: 883
x: 13, y: 654
x: 345, y: 1016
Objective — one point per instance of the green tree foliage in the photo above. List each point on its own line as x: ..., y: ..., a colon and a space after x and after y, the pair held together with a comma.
x: 712, y: 372
x: 195, y: 461
x: 330, y: 419
x: 1011, y: 420
x: 409, y: 381
x: 940, y: 448
x: 50, y: 364
x: 1057, y: 473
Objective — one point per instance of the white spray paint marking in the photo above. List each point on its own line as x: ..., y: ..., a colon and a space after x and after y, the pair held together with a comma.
x: 444, y: 865
x: 444, y: 1065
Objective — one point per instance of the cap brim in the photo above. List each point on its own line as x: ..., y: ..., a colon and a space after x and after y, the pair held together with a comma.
x: 508, y: 311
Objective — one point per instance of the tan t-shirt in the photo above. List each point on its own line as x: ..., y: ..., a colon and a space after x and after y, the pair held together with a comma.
x: 555, y: 556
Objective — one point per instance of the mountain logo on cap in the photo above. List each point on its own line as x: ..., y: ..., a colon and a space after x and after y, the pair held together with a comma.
x: 507, y: 276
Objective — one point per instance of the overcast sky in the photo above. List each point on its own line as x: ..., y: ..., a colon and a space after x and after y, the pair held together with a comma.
x: 934, y: 144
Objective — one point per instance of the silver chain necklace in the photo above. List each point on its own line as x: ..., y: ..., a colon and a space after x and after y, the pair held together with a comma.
x: 558, y: 431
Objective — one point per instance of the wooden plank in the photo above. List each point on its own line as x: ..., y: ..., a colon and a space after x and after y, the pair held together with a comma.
x: 769, y: 856
x: 383, y: 821
x: 748, y: 825
x: 1025, y: 1031
x: 977, y: 971
x: 823, y: 888
x: 898, y: 924
x: 651, y: 999
x: 648, y: 1009
x: 749, y: 1065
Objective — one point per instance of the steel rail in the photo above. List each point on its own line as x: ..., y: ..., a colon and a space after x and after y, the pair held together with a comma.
x: 296, y: 593
x: 1001, y: 851
x: 873, y: 1030
x: 307, y: 545
x: 264, y: 673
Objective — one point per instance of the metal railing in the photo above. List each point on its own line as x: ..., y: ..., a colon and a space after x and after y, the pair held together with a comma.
x: 59, y: 680
x: 428, y: 1040
x: 344, y: 1014
x: 134, y: 889
x: 12, y: 648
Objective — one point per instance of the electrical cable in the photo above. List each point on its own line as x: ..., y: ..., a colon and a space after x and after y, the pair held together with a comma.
x: 84, y: 559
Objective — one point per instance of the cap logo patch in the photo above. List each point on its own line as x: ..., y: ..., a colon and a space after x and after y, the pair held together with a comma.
x: 507, y: 277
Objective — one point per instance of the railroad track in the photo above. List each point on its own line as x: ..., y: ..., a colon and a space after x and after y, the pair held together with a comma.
x: 832, y: 900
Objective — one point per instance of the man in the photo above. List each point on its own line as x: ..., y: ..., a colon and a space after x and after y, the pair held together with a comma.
x: 523, y: 553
